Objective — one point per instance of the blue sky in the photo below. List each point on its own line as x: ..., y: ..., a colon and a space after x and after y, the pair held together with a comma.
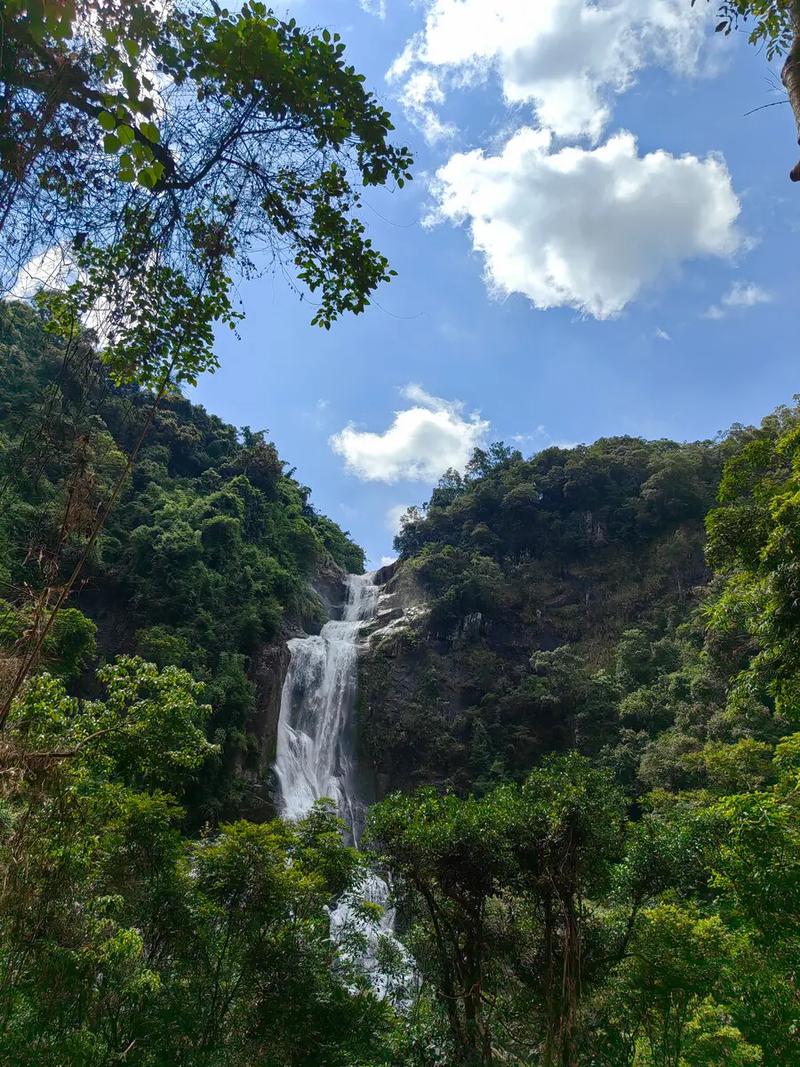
x: 609, y: 247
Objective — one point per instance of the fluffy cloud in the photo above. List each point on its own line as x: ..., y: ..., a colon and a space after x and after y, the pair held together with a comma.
x: 586, y: 228
x: 567, y: 59
x: 423, y: 441
x: 420, y: 95
x: 51, y: 269
x: 740, y: 295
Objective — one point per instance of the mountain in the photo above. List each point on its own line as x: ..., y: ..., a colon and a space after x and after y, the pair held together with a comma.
x: 515, y: 585
x: 208, y: 561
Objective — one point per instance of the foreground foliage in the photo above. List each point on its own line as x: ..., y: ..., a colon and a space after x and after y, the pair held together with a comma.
x: 123, y: 941
x: 159, y: 150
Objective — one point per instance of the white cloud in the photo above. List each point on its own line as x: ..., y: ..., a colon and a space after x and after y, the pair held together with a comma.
x: 586, y: 228
x: 661, y: 335
x: 318, y: 415
x: 421, y: 92
x: 421, y: 443
x: 393, y: 517
x: 387, y: 561
x: 566, y: 59
x: 540, y: 439
x: 51, y: 269
x: 373, y: 7
x: 740, y: 295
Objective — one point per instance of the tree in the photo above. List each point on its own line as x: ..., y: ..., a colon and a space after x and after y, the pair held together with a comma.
x: 123, y: 941
x: 162, y: 147
x: 754, y: 536
x: 677, y: 958
x: 776, y: 28
x: 452, y: 855
x: 500, y: 884
x: 567, y: 833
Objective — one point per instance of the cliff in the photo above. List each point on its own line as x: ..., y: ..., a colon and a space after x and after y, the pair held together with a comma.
x: 566, y: 551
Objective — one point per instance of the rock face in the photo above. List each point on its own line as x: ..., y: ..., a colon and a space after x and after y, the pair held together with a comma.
x: 329, y: 586
x: 267, y: 671
x: 427, y: 699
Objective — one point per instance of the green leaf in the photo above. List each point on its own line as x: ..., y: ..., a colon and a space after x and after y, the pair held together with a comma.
x: 107, y: 120
x: 150, y: 131
x: 110, y: 143
x: 125, y: 134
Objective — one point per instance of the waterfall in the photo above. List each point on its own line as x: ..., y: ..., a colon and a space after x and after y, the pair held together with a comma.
x: 316, y: 757
x: 316, y: 754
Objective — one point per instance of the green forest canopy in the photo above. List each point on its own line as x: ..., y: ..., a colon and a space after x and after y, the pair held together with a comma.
x: 606, y: 874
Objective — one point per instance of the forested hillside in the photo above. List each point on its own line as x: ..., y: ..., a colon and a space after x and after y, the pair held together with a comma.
x: 555, y: 558
x: 206, y: 562
x: 604, y: 868
x: 587, y: 660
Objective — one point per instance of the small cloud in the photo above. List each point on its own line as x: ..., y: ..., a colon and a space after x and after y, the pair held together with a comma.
x: 540, y: 439
x: 740, y: 295
x: 51, y: 269
x: 422, y: 442
x: 420, y: 95
x: 539, y: 434
x: 387, y: 561
x: 394, y: 516
x: 661, y: 335
x: 374, y: 7
x: 316, y: 416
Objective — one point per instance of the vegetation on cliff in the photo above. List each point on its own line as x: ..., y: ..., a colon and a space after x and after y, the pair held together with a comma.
x: 634, y: 899
x: 207, y: 557
x: 554, y: 558
x: 602, y: 867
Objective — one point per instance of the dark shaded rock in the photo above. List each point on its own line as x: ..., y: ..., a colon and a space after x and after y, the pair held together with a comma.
x: 267, y: 670
x: 384, y: 574
x: 329, y: 584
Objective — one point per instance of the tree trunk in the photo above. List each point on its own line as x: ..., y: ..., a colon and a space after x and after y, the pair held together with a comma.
x: 790, y: 75
x: 549, y: 1051
x: 570, y: 995
x: 479, y: 1038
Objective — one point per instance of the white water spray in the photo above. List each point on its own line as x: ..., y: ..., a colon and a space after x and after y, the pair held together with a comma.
x: 316, y: 757
x: 316, y: 746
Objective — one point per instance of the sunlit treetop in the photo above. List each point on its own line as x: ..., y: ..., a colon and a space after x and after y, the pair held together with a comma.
x: 165, y: 149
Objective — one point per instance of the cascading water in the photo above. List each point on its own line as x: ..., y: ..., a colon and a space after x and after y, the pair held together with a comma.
x: 316, y: 755
x: 316, y: 741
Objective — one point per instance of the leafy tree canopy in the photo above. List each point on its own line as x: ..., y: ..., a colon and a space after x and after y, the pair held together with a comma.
x: 161, y: 150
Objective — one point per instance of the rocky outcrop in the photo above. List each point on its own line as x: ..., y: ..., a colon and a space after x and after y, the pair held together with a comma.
x: 401, y: 606
x: 268, y: 668
x: 432, y: 704
x: 329, y: 585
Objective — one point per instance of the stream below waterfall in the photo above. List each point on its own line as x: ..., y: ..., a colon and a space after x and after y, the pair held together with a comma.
x: 316, y: 757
